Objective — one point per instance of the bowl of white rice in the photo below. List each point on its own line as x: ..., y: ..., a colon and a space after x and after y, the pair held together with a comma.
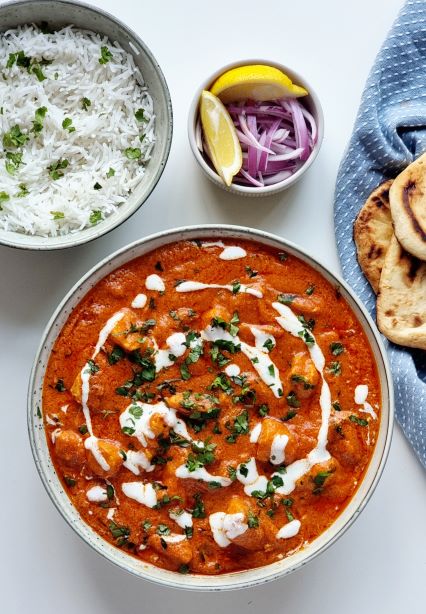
x: 85, y: 123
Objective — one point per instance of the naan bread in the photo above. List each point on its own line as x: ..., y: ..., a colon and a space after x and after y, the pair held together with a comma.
x: 401, y: 302
x: 372, y: 233
x: 407, y: 198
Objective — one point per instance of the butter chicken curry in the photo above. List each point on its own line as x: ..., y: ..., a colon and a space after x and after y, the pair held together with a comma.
x: 211, y: 407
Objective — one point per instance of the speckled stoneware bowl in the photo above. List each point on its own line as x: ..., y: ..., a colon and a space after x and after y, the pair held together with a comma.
x: 311, y: 102
x: 59, y: 13
x: 138, y: 567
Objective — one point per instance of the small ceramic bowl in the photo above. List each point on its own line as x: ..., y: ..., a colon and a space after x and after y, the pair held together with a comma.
x: 58, y: 13
x: 311, y: 102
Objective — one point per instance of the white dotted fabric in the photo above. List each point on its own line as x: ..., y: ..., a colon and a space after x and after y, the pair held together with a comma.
x: 389, y: 133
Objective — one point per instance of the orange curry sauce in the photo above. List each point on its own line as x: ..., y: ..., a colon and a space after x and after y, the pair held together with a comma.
x: 194, y: 443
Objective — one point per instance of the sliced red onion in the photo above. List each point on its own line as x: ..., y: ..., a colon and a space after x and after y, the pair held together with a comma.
x: 302, y: 138
x: 251, y: 179
x: 264, y: 157
x: 277, y: 177
x: 249, y: 135
x: 308, y: 116
x: 276, y: 138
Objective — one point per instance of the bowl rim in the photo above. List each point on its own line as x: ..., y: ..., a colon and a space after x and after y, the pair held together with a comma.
x: 110, y: 224
x: 234, y: 580
x: 247, y: 190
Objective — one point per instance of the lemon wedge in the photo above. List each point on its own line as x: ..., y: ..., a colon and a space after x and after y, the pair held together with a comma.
x: 256, y: 82
x: 221, y: 137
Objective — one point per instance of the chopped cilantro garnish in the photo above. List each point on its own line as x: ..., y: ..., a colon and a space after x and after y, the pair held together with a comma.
x: 306, y: 323
x: 236, y: 286
x: 292, y: 399
x: 269, y: 344
x: 140, y: 115
x: 95, y: 217
x: 221, y: 381
x: 335, y: 368
x: 58, y: 215
x: 251, y: 272
x: 232, y: 472
x: 310, y: 289
x: 115, y: 355
x: 60, y: 386
x: 106, y: 55
x: 263, y: 410
x: 252, y: 520
x: 184, y: 568
x: 128, y: 430
x: 36, y: 69
x: 55, y: 169
x: 198, y: 510
x: 85, y: 103
x: 240, y: 427
x: 4, y: 196
x: 110, y: 173
x: 67, y: 124
x: 300, y: 379
x: 93, y: 367
x: 39, y: 116
x: 359, y: 421
x: 23, y: 191
x: 286, y: 299
x: 336, y: 405
x: 336, y: 348
x: 120, y: 533
x: 289, y: 515
x: 275, y: 482
x: 13, y: 161
x: 289, y: 415
x: 184, y: 371
x: 243, y: 470
x: 132, y: 153
x: 319, y: 480
x: 307, y: 337
x: 136, y: 411
x: 11, y: 60
x: 14, y: 138
x: 203, y: 455
x: 229, y: 346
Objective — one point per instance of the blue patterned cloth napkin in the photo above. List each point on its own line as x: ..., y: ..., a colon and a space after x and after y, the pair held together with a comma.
x: 389, y: 133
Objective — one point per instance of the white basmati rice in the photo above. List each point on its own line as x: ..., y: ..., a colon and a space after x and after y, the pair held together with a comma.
x: 102, y: 132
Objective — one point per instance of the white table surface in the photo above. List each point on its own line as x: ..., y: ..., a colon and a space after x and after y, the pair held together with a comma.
x: 379, y: 564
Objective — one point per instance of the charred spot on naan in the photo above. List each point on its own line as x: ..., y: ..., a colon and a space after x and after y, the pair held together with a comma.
x: 372, y: 233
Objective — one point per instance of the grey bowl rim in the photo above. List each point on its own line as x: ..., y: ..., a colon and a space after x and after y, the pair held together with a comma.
x: 241, y: 190
x: 254, y: 235
x: 169, y: 112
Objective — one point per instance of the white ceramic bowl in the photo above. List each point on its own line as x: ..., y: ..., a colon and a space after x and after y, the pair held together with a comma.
x: 140, y: 568
x: 58, y: 13
x: 311, y: 102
